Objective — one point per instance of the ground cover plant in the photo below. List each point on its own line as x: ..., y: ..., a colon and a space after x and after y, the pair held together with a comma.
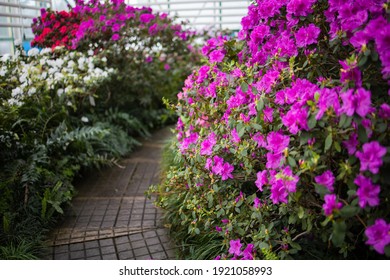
x: 282, y: 147
x: 95, y: 84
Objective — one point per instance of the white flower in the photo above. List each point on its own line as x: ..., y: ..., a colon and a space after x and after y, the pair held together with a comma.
x: 84, y: 119
x: 16, y: 91
x: 60, y: 91
x: 33, y: 52
x: 46, y: 50
x: 5, y: 57
x: 90, y: 52
x: 104, y: 59
x: 32, y: 90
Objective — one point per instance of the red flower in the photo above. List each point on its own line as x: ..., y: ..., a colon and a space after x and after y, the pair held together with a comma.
x: 63, y: 30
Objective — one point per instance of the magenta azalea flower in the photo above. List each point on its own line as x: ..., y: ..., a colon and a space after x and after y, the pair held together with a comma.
x: 371, y: 157
x: 115, y: 37
x: 256, y: 202
x: 206, y: 148
x: 216, y: 56
x: 351, y: 144
x: 378, y: 235
x: 268, y: 114
x: 288, y: 179
x: 262, y: 179
x: 235, y: 247
x: 328, y: 99
x: 278, y: 192
x: 330, y: 204
x: 145, y: 18
x: 247, y: 254
x: 300, y: 7
x: 307, y: 35
x: 384, y: 111
x: 259, y: 139
x: 327, y: 179
x: 359, y: 103
x: 235, y: 137
x: 219, y: 229
x: 277, y: 142
x: 274, y: 160
x: 367, y: 192
x: 226, y: 171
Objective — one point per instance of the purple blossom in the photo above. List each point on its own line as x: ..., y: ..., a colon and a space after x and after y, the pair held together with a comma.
x: 326, y: 179
x: 227, y: 170
x: 367, y: 192
x: 328, y: 99
x: 350, y: 73
x: 331, y: 204
x: 277, y: 142
x: 351, y: 143
x: 268, y: 114
x: 259, y: 139
x: 115, y: 37
x: 278, y: 192
x: 145, y: 18
x: 274, y: 160
x: 256, y: 202
x: 218, y: 165
x: 300, y: 7
x: 219, y: 229
x: 384, y: 111
x: 371, y: 156
x: 259, y: 33
x: 359, y: 103
x: 235, y: 137
x: 166, y: 67
x: 208, y: 164
x: 202, y: 73
x: 296, y: 119
x: 288, y: 179
x: 206, y: 148
x: 378, y: 235
x: 262, y: 179
x: 235, y: 247
x: 225, y: 221
x: 307, y: 35
x: 247, y: 254
x: 216, y: 56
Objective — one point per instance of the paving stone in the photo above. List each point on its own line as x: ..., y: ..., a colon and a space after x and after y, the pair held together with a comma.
x: 126, y: 255
x: 92, y: 252
x: 77, y: 255
x: 155, y: 248
x: 110, y: 257
x: 106, y: 242
x: 108, y: 250
x: 62, y: 256
x: 76, y: 247
x: 138, y: 244
x: 141, y: 251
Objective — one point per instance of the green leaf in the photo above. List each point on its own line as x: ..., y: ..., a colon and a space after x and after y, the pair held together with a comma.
x: 244, y: 86
x: 338, y: 235
x: 301, y: 212
x: 362, y: 61
x: 387, y: 251
x: 362, y: 134
x: 292, y: 162
x: 197, y: 231
x: 337, y: 146
x: 349, y: 211
x: 312, y: 122
x: 260, y: 105
x: 321, y: 190
x: 328, y: 142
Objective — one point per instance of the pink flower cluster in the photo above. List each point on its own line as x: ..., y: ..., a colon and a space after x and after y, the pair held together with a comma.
x: 271, y: 113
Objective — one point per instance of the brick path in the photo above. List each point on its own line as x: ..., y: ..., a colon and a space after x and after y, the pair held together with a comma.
x: 111, y: 218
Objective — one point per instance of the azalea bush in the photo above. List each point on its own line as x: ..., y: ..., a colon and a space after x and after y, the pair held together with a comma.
x: 151, y: 53
x: 282, y: 146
